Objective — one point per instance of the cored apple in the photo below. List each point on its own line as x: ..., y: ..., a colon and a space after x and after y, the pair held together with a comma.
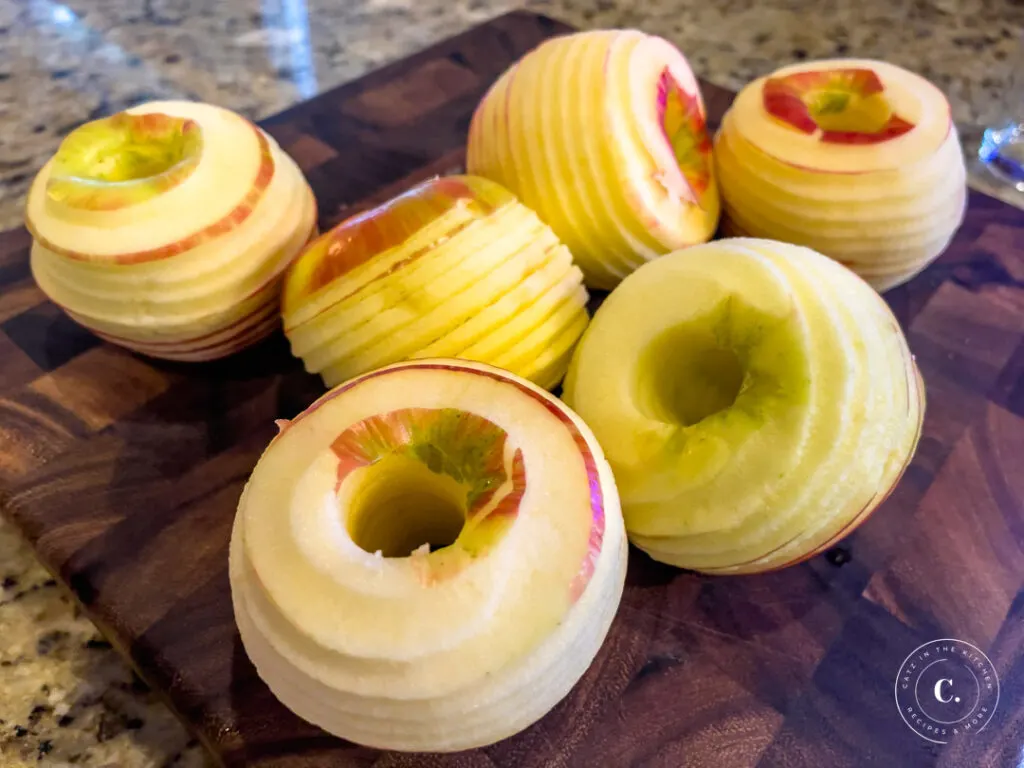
x: 603, y: 134
x: 427, y: 558
x: 454, y: 267
x: 167, y: 229
x: 857, y: 159
x: 756, y: 401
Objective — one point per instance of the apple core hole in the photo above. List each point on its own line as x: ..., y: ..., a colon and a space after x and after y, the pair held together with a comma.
x: 690, y: 376
x: 402, y: 505
x: 125, y: 148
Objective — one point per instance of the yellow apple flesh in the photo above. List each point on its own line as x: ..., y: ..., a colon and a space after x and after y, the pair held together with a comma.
x: 167, y: 229
x: 428, y: 558
x: 755, y: 399
x: 603, y: 134
x: 857, y: 159
x: 454, y: 267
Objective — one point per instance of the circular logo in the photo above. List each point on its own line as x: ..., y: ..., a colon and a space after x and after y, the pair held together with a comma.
x: 947, y: 689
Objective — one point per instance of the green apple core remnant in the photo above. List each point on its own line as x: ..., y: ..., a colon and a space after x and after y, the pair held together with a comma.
x: 439, y: 477
x: 125, y: 148
x: 684, y: 128
x: 726, y: 363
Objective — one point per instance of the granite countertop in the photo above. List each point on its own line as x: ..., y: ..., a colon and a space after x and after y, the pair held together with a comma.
x: 65, y: 697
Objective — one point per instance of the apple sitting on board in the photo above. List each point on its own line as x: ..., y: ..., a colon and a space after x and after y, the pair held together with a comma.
x: 859, y: 160
x: 756, y: 401
x: 603, y: 134
x: 455, y: 267
x: 167, y: 229
x: 428, y: 558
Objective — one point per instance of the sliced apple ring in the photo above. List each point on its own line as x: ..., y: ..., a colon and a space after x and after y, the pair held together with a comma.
x: 857, y: 159
x: 529, y: 318
x: 455, y: 266
x: 516, y: 309
x: 413, y: 337
x: 603, y: 134
x: 428, y: 558
x: 158, y: 226
x: 481, y: 268
x: 756, y: 401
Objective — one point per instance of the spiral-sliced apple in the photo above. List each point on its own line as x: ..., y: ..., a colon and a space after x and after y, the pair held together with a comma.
x: 455, y: 266
x: 428, y: 558
x: 603, y: 134
x: 857, y: 159
x: 167, y: 229
x: 757, y: 401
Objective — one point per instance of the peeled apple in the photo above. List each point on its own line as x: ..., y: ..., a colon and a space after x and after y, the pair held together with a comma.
x: 167, y: 229
x: 455, y: 267
x: 603, y: 134
x: 755, y: 399
x: 428, y: 558
x: 857, y: 159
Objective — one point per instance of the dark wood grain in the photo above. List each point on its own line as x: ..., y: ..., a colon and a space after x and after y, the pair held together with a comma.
x: 124, y: 473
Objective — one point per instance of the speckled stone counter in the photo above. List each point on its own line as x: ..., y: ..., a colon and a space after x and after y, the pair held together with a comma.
x: 65, y: 697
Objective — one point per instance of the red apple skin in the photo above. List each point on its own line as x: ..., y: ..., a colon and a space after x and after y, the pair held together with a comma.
x: 787, y: 106
x: 808, y: 169
x: 226, y: 224
x: 185, y: 349
x: 369, y: 233
x: 250, y: 329
x: 596, y: 536
x: 895, y: 128
x: 783, y: 98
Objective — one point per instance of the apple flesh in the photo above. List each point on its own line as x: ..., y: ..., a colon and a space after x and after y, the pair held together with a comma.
x: 454, y: 267
x: 857, y: 159
x: 167, y: 229
x: 603, y: 134
x: 756, y: 401
x: 428, y: 558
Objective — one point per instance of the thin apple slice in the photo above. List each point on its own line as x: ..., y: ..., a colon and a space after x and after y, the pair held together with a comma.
x: 453, y: 267
x: 404, y: 291
x: 518, y: 307
x: 483, y: 284
x: 431, y: 324
x: 150, y: 295
x: 235, y: 168
x: 524, y: 354
x: 893, y: 388
x: 595, y: 227
x: 548, y: 367
x: 502, y: 338
x: 901, y: 94
x: 123, y: 160
x: 370, y: 245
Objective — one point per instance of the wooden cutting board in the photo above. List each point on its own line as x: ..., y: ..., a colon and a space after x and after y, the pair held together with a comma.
x: 124, y: 473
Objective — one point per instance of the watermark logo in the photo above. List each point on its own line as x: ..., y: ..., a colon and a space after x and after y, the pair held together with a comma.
x: 947, y: 689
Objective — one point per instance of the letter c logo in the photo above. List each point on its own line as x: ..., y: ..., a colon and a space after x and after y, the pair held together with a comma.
x: 938, y: 690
